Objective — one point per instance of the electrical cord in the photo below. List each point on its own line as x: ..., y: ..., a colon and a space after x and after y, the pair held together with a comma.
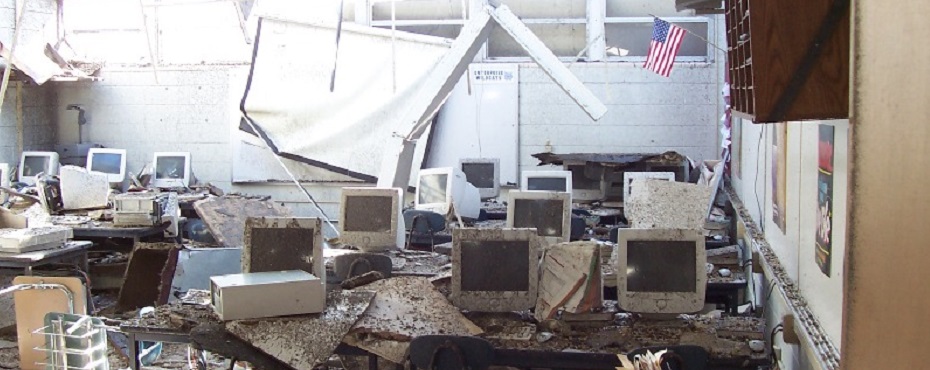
x: 777, y: 329
x: 755, y: 185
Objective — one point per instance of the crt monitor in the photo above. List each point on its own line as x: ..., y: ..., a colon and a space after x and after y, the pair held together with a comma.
x: 661, y: 271
x: 439, y: 189
x: 546, y: 211
x: 494, y: 270
x: 584, y: 187
x: 112, y: 162
x: 34, y: 163
x: 484, y: 174
x: 282, y: 244
x: 546, y: 181
x: 370, y: 218
x: 171, y: 169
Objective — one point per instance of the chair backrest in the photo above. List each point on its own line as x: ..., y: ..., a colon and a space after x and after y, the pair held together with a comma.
x: 678, y: 357
x: 446, y: 352
x: 423, y: 222
x: 353, y: 264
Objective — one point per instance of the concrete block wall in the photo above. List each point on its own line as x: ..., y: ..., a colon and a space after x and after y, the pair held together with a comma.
x: 182, y: 110
x: 27, y: 107
x: 646, y: 112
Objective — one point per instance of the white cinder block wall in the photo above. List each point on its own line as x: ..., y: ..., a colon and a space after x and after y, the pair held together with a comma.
x: 646, y: 113
x: 26, y: 121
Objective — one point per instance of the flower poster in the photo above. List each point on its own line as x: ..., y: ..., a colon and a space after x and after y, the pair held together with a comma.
x: 824, y: 238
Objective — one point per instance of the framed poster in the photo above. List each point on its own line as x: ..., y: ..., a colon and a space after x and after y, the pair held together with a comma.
x: 824, y: 238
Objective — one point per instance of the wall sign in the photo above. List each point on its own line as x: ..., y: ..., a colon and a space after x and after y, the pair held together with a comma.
x: 824, y: 238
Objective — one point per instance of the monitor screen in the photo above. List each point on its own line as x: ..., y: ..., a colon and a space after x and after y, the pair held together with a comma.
x: 106, y: 163
x: 661, y: 266
x: 170, y: 167
x: 495, y: 265
x: 481, y: 175
x: 276, y: 249
x: 432, y: 188
x: 369, y: 213
x: 546, y: 183
x: 543, y: 214
x: 580, y: 181
x: 34, y: 164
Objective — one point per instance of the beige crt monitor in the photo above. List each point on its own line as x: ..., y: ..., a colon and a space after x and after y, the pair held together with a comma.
x: 495, y: 270
x: 546, y: 180
x: 661, y: 271
x: 549, y: 212
x: 584, y: 188
x: 370, y: 218
x: 484, y: 174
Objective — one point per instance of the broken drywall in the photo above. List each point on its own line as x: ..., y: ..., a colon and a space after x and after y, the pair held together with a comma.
x: 656, y: 204
x: 83, y: 189
x: 225, y: 216
x: 405, y: 308
x: 305, y: 341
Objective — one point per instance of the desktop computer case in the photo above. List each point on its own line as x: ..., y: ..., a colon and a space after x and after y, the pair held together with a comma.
x: 139, y: 209
x: 267, y: 294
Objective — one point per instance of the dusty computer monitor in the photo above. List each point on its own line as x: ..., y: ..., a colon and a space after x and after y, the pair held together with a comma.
x: 34, y: 163
x: 370, y: 218
x: 171, y: 169
x: 112, y: 162
x: 664, y: 271
x: 630, y: 179
x: 584, y: 188
x: 550, y: 213
x: 283, y: 243
x: 495, y: 270
x: 546, y: 181
x: 438, y: 189
x: 484, y: 174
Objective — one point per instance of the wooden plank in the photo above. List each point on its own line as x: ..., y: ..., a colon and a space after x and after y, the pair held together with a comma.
x: 225, y: 216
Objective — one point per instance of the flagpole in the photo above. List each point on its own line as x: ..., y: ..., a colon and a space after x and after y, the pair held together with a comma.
x: 695, y: 35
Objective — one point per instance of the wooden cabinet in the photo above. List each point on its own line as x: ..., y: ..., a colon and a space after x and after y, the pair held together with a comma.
x: 767, y: 42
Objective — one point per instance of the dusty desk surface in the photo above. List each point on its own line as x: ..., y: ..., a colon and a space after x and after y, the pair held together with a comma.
x: 36, y: 256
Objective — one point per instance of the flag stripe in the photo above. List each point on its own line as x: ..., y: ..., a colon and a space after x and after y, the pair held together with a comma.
x: 666, y: 42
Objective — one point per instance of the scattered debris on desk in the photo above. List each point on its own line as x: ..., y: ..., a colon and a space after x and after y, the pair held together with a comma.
x: 309, y: 340
x: 404, y: 308
x: 225, y: 216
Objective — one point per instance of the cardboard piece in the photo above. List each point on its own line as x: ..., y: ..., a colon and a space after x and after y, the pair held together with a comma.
x: 656, y: 204
x: 31, y: 308
x: 570, y: 279
x: 83, y: 189
x: 225, y: 216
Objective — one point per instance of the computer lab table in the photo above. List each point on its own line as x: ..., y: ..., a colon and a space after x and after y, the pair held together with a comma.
x: 72, y: 250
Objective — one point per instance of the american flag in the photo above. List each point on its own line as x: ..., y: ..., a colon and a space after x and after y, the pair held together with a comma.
x: 666, y: 40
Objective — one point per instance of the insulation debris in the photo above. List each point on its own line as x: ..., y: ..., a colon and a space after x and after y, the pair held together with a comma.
x: 659, y: 204
x: 225, y: 216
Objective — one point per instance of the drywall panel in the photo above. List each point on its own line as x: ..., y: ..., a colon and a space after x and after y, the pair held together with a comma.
x: 887, y: 294
x: 480, y: 122
x: 824, y: 294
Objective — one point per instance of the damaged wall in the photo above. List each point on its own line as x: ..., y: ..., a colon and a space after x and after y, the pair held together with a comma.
x: 795, y: 246
x: 26, y: 121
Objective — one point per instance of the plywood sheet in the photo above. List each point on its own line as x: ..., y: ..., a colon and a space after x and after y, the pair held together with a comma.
x: 225, y: 216
x: 307, y: 340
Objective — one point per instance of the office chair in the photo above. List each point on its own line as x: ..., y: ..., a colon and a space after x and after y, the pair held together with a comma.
x: 424, y: 223
x: 446, y: 352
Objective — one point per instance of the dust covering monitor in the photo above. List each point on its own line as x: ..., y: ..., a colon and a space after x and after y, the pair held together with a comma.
x: 494, y: 270
x: 34, y: 163
x: 172, y: 170
x: 584, y: 188
x: 664, y: 271
x: 546, y: 180
x: 440, y: 189
x: 370, y: 218
x: 546, y: 211
x: 484, y: 174
x: 112, y: 162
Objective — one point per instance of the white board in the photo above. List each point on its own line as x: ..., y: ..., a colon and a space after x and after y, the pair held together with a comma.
x: 483, y: 124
